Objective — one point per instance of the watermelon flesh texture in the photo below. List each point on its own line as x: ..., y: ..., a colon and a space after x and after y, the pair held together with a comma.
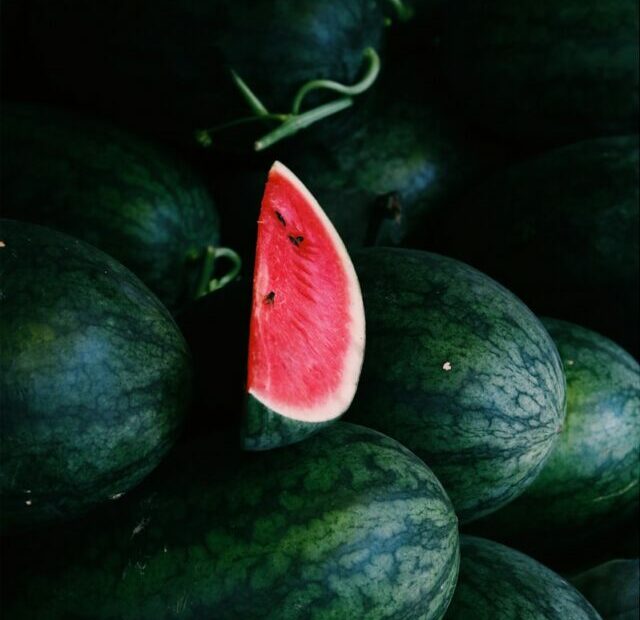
x: 307, y: 330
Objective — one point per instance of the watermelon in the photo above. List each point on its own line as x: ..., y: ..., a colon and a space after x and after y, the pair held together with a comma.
x: 561, y: 231
x: 307, y: 333
x: 613, y: 588
x: 113, y: 190
x: 400, y: 160
x: 94, y: 377
x: 461, y: 372
x: 498, y: 583
x: 593, y: 472
x: 349, y: 524
x: 404, y: 159
x: 539, y: 73
x: 168, y: 66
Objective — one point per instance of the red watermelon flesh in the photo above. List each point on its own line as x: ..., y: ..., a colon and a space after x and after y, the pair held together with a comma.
x: 307, y: 330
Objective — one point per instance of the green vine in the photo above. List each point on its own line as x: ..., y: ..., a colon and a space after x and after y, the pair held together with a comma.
x: 292, y: 122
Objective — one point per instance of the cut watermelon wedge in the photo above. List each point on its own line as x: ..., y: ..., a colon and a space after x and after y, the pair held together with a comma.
x: 307, y: 330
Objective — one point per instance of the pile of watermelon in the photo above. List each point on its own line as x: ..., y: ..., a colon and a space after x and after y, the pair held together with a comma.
x: 319, y: 309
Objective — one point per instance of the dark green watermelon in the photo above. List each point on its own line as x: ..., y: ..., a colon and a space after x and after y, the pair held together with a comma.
x: 543, y: 72
x: 399, y: 162
x: 111, y: 189
x: 561, y: 231
x: 348, y: 524
x: 613, y: 588
x: 94, y: 377
x: 167, y: 65
x: 402, y: 160
x: 592, y: 476
x: 498, y: 583
x: 459, y: 371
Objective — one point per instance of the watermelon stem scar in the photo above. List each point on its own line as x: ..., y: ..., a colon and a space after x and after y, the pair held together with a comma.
x: 207, y: 283
x: 305, y: 354
x: 292, y: 122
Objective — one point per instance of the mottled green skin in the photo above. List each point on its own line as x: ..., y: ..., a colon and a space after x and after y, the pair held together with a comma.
x: 498, y: 583
x: 486, y: 425
x: 562, y: 232
x: 593, y: 473
x: 266, y: 429
x: 541, y: 72
x: 613, y: 588
x: 108, y: 188
x: 348, y: 524
x: 94, y: 377
x: 166, y: 65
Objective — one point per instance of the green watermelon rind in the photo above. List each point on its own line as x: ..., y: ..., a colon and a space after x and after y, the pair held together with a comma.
x: 265, y: 429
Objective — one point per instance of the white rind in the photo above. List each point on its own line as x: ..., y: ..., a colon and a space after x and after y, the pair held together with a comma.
x: 337, y: 402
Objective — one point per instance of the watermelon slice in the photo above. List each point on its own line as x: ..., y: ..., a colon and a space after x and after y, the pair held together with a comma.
x: 307, y: 330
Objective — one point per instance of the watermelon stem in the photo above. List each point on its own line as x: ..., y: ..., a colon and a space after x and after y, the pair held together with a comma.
x: 250, y: 97
x: 356, y: 89
x: 208, y: 283
x: 295, y: 123
x: 403, y: 12
x: 203, y: 136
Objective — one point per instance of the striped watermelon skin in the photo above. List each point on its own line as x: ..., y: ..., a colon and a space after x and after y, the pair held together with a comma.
x: 265, y: 429
x: 348, y: 524
x: 499, y: 583
x: 593, y: 472
x: 461, y: 372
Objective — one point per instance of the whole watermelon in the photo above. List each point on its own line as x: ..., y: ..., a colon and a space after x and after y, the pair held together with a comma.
x: 461, y: 372
x: 111, y: 189
x: 167, y: 65
x: 561, y: 231
x: 94, y: 377
x: 498, y: 583
x: 593, y: 472
x: 348, y: 524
